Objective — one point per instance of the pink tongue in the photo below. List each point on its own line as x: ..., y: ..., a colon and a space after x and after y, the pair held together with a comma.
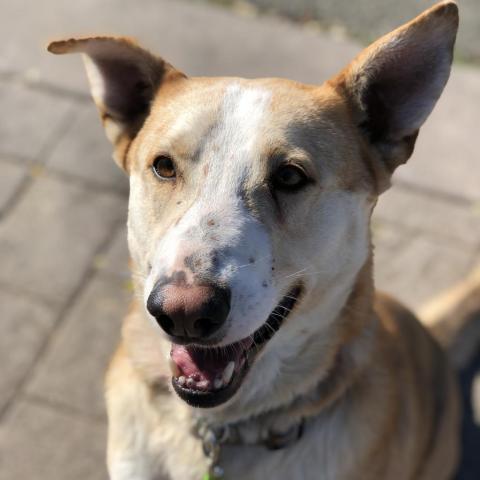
x: 207, y: 363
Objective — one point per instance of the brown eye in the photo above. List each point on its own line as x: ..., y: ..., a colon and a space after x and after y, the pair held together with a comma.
x: 289, y: 178
x: 164, y: 168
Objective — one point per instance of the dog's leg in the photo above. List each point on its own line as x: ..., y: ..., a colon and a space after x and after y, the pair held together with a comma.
x: 127, y: 469
x: 128, y: 455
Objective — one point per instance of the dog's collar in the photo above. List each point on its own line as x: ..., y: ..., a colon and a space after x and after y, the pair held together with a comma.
x: 214, y: 437
x: 231, y: 434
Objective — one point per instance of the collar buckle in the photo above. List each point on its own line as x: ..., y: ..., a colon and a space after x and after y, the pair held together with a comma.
x: 278, y: 440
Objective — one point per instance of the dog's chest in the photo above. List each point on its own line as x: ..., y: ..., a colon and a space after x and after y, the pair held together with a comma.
x: 316, y: 455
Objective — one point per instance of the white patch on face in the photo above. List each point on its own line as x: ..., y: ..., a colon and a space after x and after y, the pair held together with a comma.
x: 238, y: 242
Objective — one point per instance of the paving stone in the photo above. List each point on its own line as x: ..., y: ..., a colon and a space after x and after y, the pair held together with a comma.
x: 216, y: 41
x: 437, y: 216
x: 11, y: 176
x: 25, y: 326
x: 115, y: 259
x: 415, y: 267
x: 29, y: 119
x: 387, y: 238
x: 368, y: 19
x: 72, y: 371
x: 39, y: 442
x: 51, y: 236
x: 85, y: 152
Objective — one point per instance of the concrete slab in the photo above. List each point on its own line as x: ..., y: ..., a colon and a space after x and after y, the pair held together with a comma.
x: 368, y: 19
x: 51, y: 236
x: 115, y: 259
x: 30, y: 120
x: 414, y: 267
x: 72, y: 371
x: 11, y: 177
x: 201, y: 39
x: 434, y: 215
x: 84, y: 151
x: 43, y: 442
x: 26, y: 324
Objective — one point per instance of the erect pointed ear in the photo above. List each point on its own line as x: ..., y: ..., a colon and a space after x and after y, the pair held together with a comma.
x: 124, y: 79
x: 394, y: 83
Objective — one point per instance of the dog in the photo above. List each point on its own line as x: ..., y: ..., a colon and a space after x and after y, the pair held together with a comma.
x: 256, y: 346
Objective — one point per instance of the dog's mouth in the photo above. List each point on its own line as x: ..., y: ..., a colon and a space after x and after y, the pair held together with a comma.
x: 209, y: 376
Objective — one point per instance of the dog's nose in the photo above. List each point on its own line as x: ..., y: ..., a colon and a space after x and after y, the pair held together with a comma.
x: 189, y: 312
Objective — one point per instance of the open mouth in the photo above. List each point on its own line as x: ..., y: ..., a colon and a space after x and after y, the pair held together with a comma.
x: 209, y: 376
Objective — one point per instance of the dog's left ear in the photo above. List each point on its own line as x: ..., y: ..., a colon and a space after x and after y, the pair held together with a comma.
x: 393, y: 85
x: 124, y: 78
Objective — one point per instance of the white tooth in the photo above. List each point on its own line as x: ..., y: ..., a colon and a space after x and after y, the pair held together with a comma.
x: 228, y: 372
x: 181, y: 380
x: 190, y: 382
x: 173, y: 367
x: 203, y: 384
x: 218, y: 383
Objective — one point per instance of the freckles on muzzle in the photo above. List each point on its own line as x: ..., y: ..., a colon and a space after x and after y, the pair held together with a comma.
x: 215, y: 300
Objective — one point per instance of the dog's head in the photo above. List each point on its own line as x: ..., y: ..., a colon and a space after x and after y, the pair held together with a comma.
x: 250, y: 200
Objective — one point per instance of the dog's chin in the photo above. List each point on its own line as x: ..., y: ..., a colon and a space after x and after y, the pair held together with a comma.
x: 207, y: 377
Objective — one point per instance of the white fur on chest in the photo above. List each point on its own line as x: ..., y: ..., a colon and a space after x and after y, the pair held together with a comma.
x: 323, y: 452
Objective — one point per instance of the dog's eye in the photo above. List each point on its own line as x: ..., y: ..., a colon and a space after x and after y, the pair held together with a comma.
x: 164, y: 168
x: 289, y: 178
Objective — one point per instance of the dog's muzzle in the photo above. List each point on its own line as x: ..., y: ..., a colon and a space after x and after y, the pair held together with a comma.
x: 207, y: 376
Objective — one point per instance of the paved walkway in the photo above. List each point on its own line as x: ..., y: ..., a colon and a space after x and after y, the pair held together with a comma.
x: 366, y: 20
x: 64, y: 283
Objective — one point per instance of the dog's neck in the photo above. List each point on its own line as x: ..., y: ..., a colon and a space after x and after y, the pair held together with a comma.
x: 331, y: 362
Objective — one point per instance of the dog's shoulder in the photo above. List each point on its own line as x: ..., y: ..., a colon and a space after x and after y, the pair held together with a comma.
x: 419, y: 352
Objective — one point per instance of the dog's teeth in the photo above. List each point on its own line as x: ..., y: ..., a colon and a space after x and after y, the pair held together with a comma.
x: 190, y: 382
x: 218, y: 383
x: 174, y: 367
x: 228, y: 372
x: 203, y: 384
x: 181, y: 380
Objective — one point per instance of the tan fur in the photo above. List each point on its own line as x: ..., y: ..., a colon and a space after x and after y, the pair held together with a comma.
x: 454, y: 318
x: 377, y: 393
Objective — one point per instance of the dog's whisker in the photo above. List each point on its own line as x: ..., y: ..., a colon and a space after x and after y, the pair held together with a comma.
x: 296, y: 273
x: 304, y: 272
x: 319, y: 272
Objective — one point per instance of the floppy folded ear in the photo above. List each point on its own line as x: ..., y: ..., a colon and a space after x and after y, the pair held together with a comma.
x: 124, y: 79
x: 394, y: 84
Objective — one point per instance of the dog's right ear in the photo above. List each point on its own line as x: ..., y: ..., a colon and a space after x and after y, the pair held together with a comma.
x: 124, y: 79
